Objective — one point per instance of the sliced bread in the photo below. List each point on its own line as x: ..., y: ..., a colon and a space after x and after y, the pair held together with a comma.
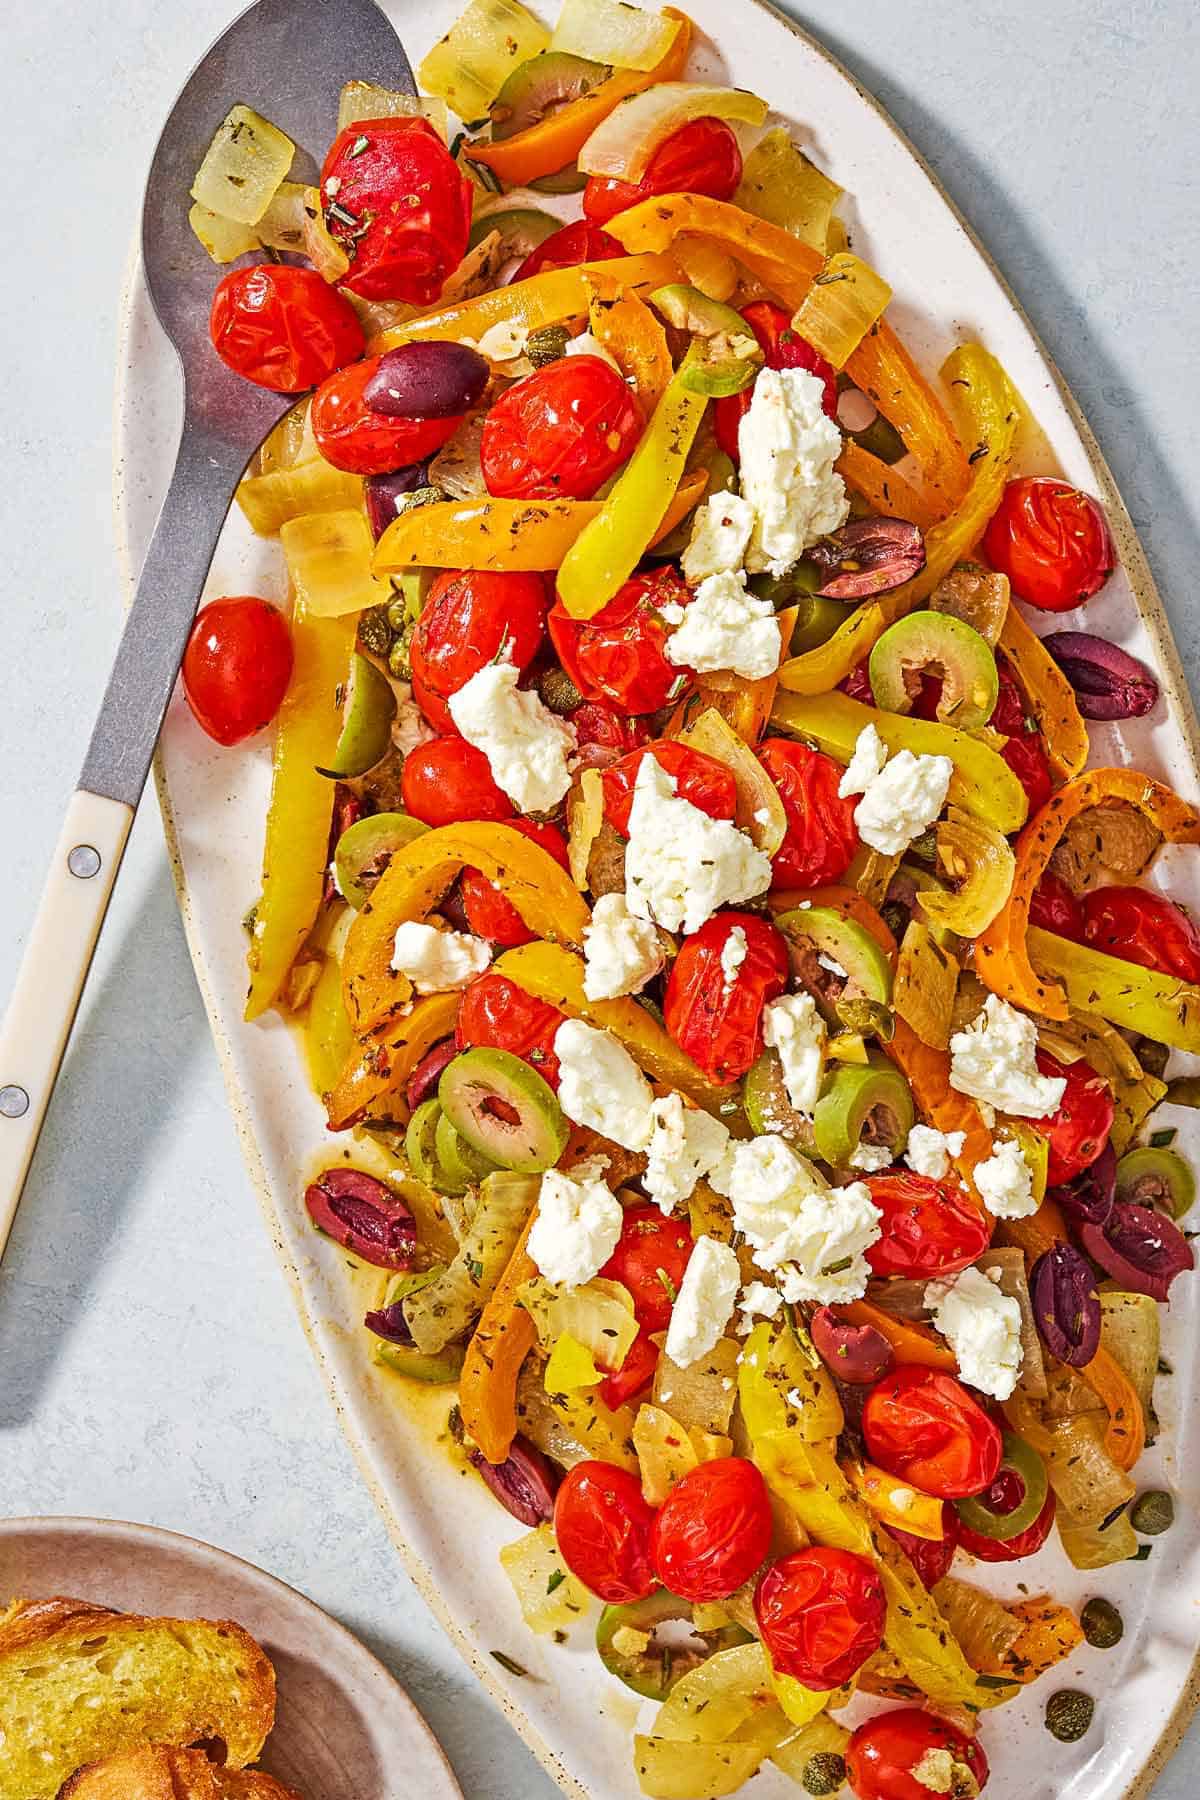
x: 155, y: 1773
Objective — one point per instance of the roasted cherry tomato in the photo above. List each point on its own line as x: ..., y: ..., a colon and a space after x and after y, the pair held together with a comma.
x: 469, y: 618
x: 489, y: 914
x: 713, y: 1530
x: 603, y: 735
x: 496, y: 1013
x: 702, y: 157
x: 634, y: 1375
x: 400, y: 207
x: 1025, y: 751
x: 1144, y: 928
x: 782, y: 348
x: 883, y: 1755
x: 821, y: 1614
x: 603, y: 1528
x: 1054, y: 907
x: 922, y: 1425
x: 560, y: 433
x: 929, y: 1228
x: 1052, y: 542
x: 1079, y: 1130
x: 650, y: 1258
x: 282, y: 327
x: 715, y: 1016
x: 353, y: 437
x: 619, y: 654
x: 821, y: 834
x: 577, y: 243
x: 1004, y: 1496
x: 699, y: 779
x: 237, y: 666
x: 930, y: 1557
x: 448, y: 780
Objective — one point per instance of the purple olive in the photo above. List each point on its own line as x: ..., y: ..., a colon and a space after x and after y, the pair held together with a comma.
x: 855, y: 1353
x: 424, y: 1078
x: 364, y: 1215
x: 1066, y: 1306
x: 427, y: 381
x: 868, y: 556
x: 524, y: 1483
x: 381, y: 492
x: 389, y: 1322
x: 1108, y: 682
x: 1089, y: 1197
x: 1138, y: 1247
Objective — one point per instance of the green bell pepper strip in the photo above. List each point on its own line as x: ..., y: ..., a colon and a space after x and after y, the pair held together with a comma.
x: 1142, y: 1000
x: 978, y: 1516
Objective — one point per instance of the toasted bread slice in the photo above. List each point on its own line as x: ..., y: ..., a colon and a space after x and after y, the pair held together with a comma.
x: 154, y: 1773
x: 79, y: 1683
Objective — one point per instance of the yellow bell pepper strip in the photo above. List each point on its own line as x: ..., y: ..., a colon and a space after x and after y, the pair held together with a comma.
x: 328, y: 1038
x: 1049, y: 693
x: 607, y: 551
x: 503, y: 1338
x: 554, y: 142
x: 895, y: 1503
x: 844, y: 901
x: 883, y: 488
x: 885, y: 371
x: 300, y: 814
x: 784, y: 1386
x: 982, y: 782
x: 779, y: 260
x: 1156, y: 1006
x: 990, y: 408
x: 635, y: 338
x: 1002, y: 952
x: 381, y: 1063
x: 913, y: 1343
x: 415, y: 880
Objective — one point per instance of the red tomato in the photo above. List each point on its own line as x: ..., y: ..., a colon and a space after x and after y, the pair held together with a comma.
x: 560, y: 433
x: 400, y: 207
x: 782, y: 348
x: 713, y: 1530
x: 603, y: 1526
x: 650, y: 1259
x: 821, y: 1614
x: 489, y: 913
x: 353, y: 437
x: 1054, y: 907
x: 447, y: 780
x: 716, y: 1021
x: 282, y: 327
x: 821, y: 833
x: 574, y: 244
x: 699, y: 778
x: 1051, y: 541
x: 634, y: 1375
x: 1025, y: 751
x: 922, y: 1425
x: 930, y: 1557
x: 603, y: 735
x: 619, y: 654
x: 469, y: 616
x: 702, y: 157
x: 883, y: 1753
x: 236, y: 667
x: 1144, y: 928
x: 497, y: 1013
x: 1004, y: 1496
x: 929, y: 1227
x: 1079, y: 1130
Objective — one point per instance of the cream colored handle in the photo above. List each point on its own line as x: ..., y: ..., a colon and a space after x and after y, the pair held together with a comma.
x: 50, y: 981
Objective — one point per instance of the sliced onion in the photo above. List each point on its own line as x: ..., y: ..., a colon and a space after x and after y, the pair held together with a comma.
x: 759, y: 810
x: 609, y: 31
x: 981, y: 858
x: 624, y: 144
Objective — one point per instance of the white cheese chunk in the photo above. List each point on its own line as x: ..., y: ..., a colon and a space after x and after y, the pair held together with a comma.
x: 680, y: 865
x: 793, y: 1026
x: 437, y: 961
x: 587, y: 345
x: 721, y: 528
x: 409, y: 729
x: 727, y: 628
x: 758, y: 1301
x: 684, y: 1145
x: 576, y: 1228
x: 525, y: 744
x: 929, y: 1150
x: 704, y: 1303
x: 621, y: 951
x: 504, y: 341
x: 788, y: 448
x: 733, y: 955
x: 994, y: 1060
x: 870, y: 1158
x: 601, y: 1086
x: 1005, y: 1182
x: 870, y: 754
x: 983, y: 1328
x: 902, y: 801
x: 814, y: 1235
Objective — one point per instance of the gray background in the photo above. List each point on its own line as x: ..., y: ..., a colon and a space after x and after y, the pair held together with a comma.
x: 151, y: 1365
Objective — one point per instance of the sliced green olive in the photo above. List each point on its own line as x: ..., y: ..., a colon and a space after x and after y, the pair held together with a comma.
x: 853, y: 1096
x: 521, y: 228
x: 814, y: 931
x: 1028, y: 1466
x: 420, y: 1142
x: 652, y: 1669
x: 460, y: 1162
x: 725, y: 355
x: 1156, y: 1177
x: 365, y: 849
x: 370, y: 707
x: 948, y: 646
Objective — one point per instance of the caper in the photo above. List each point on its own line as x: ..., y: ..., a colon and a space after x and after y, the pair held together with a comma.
x: 1069, y: 1714
x: 895, y: 916
x: 398, y: 615
x: 1152, y: 1513
x: 1152, y: 1056
x: 559, y: 692
x: 823, y: 1773
x: 1102, y: 1624
x: 376, y: 631
x: 398, y: 659
x: 547, y: 345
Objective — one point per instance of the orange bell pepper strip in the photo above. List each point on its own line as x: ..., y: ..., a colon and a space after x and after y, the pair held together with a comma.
x: 885, y: 371
x: 780, y: 261
x: 842, y: 900
x: 503, y: 1338
x: 381, y: 1063
x: 1002, y: 951
x: 548, y: 146
x: 912, y: 1343
x: 632, y: 334
x: 1050, y: 1633
x: 896, y: 1503
x: 1049, y: 693
x: 884, y: 490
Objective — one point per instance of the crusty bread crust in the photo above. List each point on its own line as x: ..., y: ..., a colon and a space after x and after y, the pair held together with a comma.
x: 155, y: 1773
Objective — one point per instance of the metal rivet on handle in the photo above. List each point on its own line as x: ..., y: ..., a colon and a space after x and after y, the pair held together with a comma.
x: 14, y: 1102
x: 84, y: 861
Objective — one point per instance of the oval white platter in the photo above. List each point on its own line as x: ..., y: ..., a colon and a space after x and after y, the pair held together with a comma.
x: 448, y: 1529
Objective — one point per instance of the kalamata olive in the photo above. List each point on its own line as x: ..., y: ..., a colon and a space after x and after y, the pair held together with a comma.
x: 1138, y: 1247
x: 1108, y: 682
x: 524, y: 1483
x: 855, y: 1353
x: 364, y: 1215
x: 427, y: 381
x: 1089, y: 1197
x: 381, y: 493
x: 424, y: 1078
x: 868, y: 556
x: 389, y: 1323
x: 1066, y: 1306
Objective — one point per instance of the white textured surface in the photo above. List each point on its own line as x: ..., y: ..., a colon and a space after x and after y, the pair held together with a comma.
x: 153, y: 1365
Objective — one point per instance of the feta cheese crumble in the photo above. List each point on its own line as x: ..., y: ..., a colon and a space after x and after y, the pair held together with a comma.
x: 621, y: 951
x: 576, y: 1227
x: 793, y: 1026
x: 437, y: 961
x: 525, y: 744
x: 680, y: 865
x: 727, y: 628
x: 502, y: 342
x: 870, y: 1158
x: 685, y: 1144
x: 758, y: 1301
x: 587, y: 345
x: 870, y: 754
x: 409, y: 729
x: 901, y: 795
x: 704, y: 1304
x: 929, y: 1150
x: 814, y: 1235
x: 721, y: 528
x: 994, y: 1060
x: 1005, y: 1182
x: 733, y: 955
x: 787, y: 448
x: 601, y: 1086
x: 983, y: 1328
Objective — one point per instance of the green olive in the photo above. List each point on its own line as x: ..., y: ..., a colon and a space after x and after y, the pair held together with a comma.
x: 852, y: 1095
x: 1025, y: 1462
x: 1069, y: 1715
x: 1103, y: 1626
x: 1152, y: 1513
x: 943, y: 643
x: 653, y: 1671
x: 1157, y: 1177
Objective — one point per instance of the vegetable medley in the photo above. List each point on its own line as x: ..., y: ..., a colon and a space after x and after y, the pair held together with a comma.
x: 686, y: 863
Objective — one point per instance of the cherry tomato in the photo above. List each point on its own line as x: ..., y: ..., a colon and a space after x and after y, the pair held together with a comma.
x: 883, y: 1753
x: 1054, y: 907
x: 1025, y: 751
x: 634, y: 1375
x: 821, y: 1614
x: 922, y: 1425
x: 237, y: 666
x: 282, y: 327
x: 1142, y: 927
x: 498, y: 1014
x: 619, y: 654
x: 603, y: 1527
x: 650, y: 1259
x: 400, y: 207
x: 1079, y: 1130
x: 560, y: 433
x: 577, y: 243
x: 821, y: 833
x: 489, y: 913
x: 469, y: 617
x: 702, y: 157
x: 929, y: 1227
x: 603, y: 735
x: 783, y: 348
x: 699, y: 778
x: 447, y: 780
x: 1004, y: 1496
x: 718, y: 1021
x: 1052, y: 542
x: 930, y: 1557
x: 713, y: 1530
x: 353, y: 437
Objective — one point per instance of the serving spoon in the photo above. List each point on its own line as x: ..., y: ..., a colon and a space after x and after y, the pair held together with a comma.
x: 288, y: 59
